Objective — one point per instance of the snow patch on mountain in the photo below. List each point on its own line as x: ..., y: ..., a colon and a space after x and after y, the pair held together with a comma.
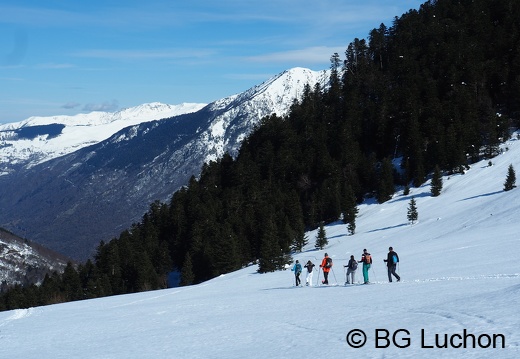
x: 237, y: 114
x: 78, y: 131
x: 22, y: 263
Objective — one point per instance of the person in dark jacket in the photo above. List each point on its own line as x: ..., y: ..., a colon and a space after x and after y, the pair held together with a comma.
x: 310, y: 269
x: 391, y: 262
x: 351, y: 270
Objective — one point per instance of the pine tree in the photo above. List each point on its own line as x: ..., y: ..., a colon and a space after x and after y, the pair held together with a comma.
x: 510, y: 179
x: 225, y: 251
x: 300, y: 241
x: 71, y: 283
x: 436, y: 186
x: 187, y: 276
x: 413, y: 215
x: 385, y: 187
x: 321, y: 238
x: 351, y: 210
x: 271, y: 254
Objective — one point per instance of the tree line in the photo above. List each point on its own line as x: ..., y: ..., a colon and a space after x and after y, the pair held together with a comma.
x: 434, y: 92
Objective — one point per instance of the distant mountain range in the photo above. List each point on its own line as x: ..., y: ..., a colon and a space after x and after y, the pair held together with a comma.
x: 71, y: 181
x: 38, y: 139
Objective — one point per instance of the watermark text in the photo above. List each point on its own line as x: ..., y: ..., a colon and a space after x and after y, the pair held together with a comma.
x: 403, y: 338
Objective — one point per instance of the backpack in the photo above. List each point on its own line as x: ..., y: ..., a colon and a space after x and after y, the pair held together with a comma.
x: 368, y: 258
x: 394, y: 259
x: 353, y: 265
x: 298, y: 268
x: 328, y: 263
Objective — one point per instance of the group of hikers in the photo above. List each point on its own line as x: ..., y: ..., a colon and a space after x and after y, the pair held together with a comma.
x: 326, y: 266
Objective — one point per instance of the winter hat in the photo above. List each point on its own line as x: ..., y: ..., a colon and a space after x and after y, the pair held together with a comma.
x: 326, y: 254
x: 390, y: 249
x: 364, y: 250
x: 297, y: 261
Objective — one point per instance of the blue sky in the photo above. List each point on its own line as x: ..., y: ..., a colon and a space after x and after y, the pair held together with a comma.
x: 70, y: 56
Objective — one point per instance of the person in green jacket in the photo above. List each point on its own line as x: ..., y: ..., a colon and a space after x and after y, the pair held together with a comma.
x: 366, y: 259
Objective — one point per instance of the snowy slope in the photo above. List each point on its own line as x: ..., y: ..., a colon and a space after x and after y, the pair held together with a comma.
x: 459, y: 264
x: 80, y: 131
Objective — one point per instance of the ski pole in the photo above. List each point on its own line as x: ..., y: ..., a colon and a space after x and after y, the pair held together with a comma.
x: 374, y: 271
x: 332, y: 269
x: 318, y: 280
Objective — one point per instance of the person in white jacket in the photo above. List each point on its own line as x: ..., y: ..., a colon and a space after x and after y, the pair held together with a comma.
x: 310, y: 269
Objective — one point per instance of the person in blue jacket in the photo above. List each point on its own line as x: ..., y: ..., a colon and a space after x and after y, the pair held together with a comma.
x: 297, y: 269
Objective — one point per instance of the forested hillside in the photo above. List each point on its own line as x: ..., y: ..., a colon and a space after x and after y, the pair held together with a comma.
x: 439, y: 87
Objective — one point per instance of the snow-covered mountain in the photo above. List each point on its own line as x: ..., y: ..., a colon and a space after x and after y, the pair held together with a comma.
x: 39, y: 139
x: 74, y: 201
x: 458, y: 297
x: 237, y: 115
x: 22, y: 262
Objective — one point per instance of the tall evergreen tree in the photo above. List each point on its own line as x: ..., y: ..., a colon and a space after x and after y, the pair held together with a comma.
x: 385, y: 187
x: 71, y: 283
x: 321, y: 237
x: 350, y: 212
x: 187, y: 276
x: 271, y: 254
x: 510, y: 179
x: 300, y: 241
x: 436, y: 184
x: 225, y: 252
x: 412, y: 214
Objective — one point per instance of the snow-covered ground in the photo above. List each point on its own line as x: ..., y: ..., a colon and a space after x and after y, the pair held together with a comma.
x: 460, y: 269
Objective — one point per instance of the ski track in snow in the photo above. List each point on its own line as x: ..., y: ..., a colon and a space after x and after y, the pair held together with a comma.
x: 18, y: 314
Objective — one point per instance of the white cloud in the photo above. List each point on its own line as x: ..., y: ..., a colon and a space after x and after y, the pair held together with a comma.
x: 70, y: 105
x: 105, y: 106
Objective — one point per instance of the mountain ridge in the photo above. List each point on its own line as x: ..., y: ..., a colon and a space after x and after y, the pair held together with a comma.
x: 72, y: 202
x: 78, y: 131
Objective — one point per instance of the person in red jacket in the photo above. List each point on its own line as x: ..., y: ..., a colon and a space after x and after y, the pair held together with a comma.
x: 326, y: 265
